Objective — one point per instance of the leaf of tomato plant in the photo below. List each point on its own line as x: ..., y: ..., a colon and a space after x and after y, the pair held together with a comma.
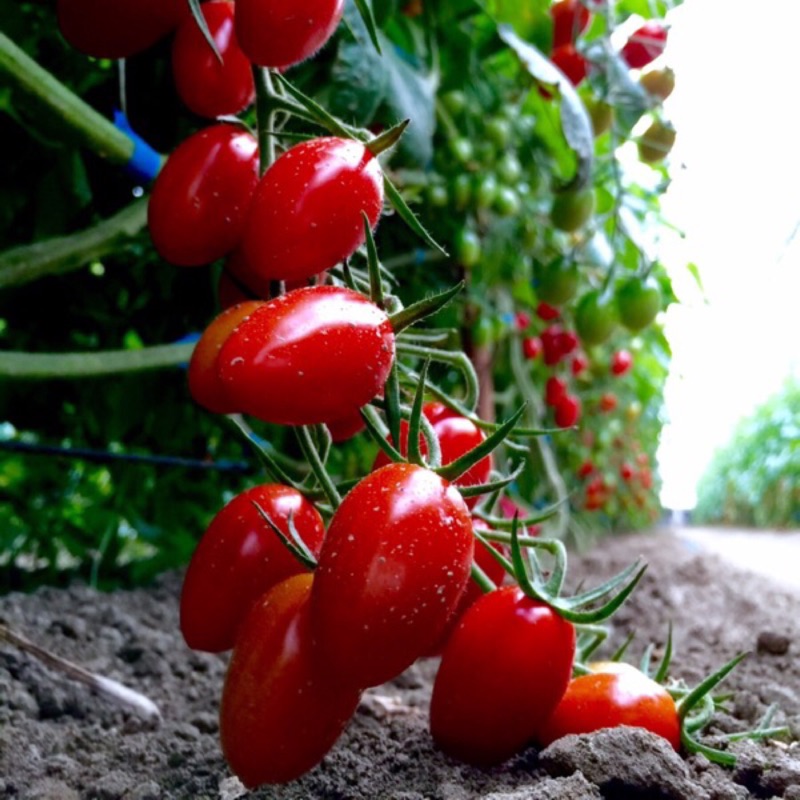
x: 531, y: 20
x: 575, y: 123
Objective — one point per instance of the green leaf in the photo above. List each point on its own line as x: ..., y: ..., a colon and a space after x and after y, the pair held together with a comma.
x: 575, y: 123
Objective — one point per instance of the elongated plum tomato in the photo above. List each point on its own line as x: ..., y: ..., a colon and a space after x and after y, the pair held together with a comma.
x: 645, y: 44
x: 309, y: 356
x: 239, y: 558
x: 393, y: 567
x: 613, y: 694
x: 204, y: 383
x: 211, y: 86
x: 504, y: 669
x: 457, y: 435
x: 199, y: 201
x: 306, y: 213
x: 120, y: 29
x: 273, y: 33
x: 280, y: 713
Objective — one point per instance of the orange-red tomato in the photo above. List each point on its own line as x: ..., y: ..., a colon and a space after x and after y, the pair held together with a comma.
x: 280, y: 712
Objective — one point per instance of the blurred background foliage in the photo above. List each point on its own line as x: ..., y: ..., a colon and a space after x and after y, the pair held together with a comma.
x: 754, y: 479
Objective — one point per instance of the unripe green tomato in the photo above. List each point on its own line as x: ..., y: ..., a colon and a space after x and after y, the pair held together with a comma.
x: 486, y: 191
x: 455, y: 101
x: 467, y: 247
x: 571, y: 210
x: 601, y: 115
x: 461, y: 191
x: 558, y: 281
x: 659, y: 82
x: 498, y: 131
x: 461, y: 149
x: 438, y: 196
x: 656, y: 142
x: 638, y: 301
x: 509, y: 169
x: 507, y: 202
x: 596, y: 317
x: 483, y: 332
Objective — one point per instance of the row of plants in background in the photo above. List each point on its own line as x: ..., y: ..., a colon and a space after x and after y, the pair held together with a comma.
x: 754, y: 479
x: 500, y: 162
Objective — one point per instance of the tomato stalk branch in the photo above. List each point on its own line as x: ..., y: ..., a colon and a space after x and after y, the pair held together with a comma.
x: 89, y: 128
x: 312, y: 456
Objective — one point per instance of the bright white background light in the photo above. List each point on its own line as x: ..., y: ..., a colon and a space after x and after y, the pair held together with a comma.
x: 736, y: 195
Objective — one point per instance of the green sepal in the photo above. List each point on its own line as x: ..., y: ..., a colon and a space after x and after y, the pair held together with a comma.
x: 476, y: 490
x: 409, y: 217
x: 414, y: 452
x: 365, y: 9
x: 293, y: 543
x: 199, y: 18
x: 416, y: 312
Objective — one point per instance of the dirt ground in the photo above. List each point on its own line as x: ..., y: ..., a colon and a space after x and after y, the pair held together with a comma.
x: 59, y: 741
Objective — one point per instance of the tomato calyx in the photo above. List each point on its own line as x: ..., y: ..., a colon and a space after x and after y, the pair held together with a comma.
x: 546, y: 587
x: 293, y: 542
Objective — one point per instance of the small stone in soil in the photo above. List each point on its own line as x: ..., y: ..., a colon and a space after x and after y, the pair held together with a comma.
x: 774, y: 644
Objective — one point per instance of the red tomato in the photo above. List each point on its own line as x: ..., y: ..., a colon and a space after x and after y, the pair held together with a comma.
x: 531, y: 347
x: 493, y: 570
x: 567, y: 411
x: 204, y: 383
x: 608, y: 401
x: 618, y: 694
x: 621, y: 362
x: 208, y: 87
x: 200, y: 198
x: 552, y: 344
x: 570, y: 62
x: 280, y: 712
x: 306, y: 213
x: 579, y: 364
x: 645, y: 44
x: 120, y: 29
x: 393, y: 567
x: 522, y: 320
x: 554, y: 390
x: 274, y: 33
x: 239, y: 558
x: 626, y: 471
x: 570, y: 19
x: 343, y: 429
x: 585, y: 469
x: 547, y: 312
x: 457, y: 435
x: 312, y: 355
x: 568, y: 342
x: 503, y: 671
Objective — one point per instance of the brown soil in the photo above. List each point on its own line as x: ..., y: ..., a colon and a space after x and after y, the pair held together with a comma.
x: 59, y: 741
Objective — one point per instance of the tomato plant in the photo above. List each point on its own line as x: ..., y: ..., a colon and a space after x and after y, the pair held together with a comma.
x: 639, y: 301
x: 395, y: 562
x: 239, y: 558
x: 596, y: 316
x: 615, y: 694
x: 306, y: 213
x: 211, y: 86
x: 273, y: 34
x: 120, y: 29
x: 503, y: 671
x: 200, y: 198
x: 572, y: 209
x: 312, y: 355
x: 280, y: 711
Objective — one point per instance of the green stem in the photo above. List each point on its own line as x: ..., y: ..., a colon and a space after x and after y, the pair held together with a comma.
x: 89, y: 127
x: 265, y: 116
x: 318, y: 468
x: 68, y: 253
x: 39, y: 366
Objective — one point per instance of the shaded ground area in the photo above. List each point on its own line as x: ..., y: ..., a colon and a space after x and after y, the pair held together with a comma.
x: 59, y: 741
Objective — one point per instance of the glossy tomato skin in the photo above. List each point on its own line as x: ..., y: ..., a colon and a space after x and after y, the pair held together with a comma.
x: 197, y: 209
x: 568, y: 410
x: 395, y: 562
x: 306, y: 213
x: 274, y: 34
x: 309, y: 356
x: 503, y: 671
x: 204, y: 384
x: 239, y: 558
x: 617, y: 694
x: 120, y: 29
x: 457, y: 435
x: 570, y: 19
x: 570, y: 62
x: 208, y: 87
x: 280, y: 714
